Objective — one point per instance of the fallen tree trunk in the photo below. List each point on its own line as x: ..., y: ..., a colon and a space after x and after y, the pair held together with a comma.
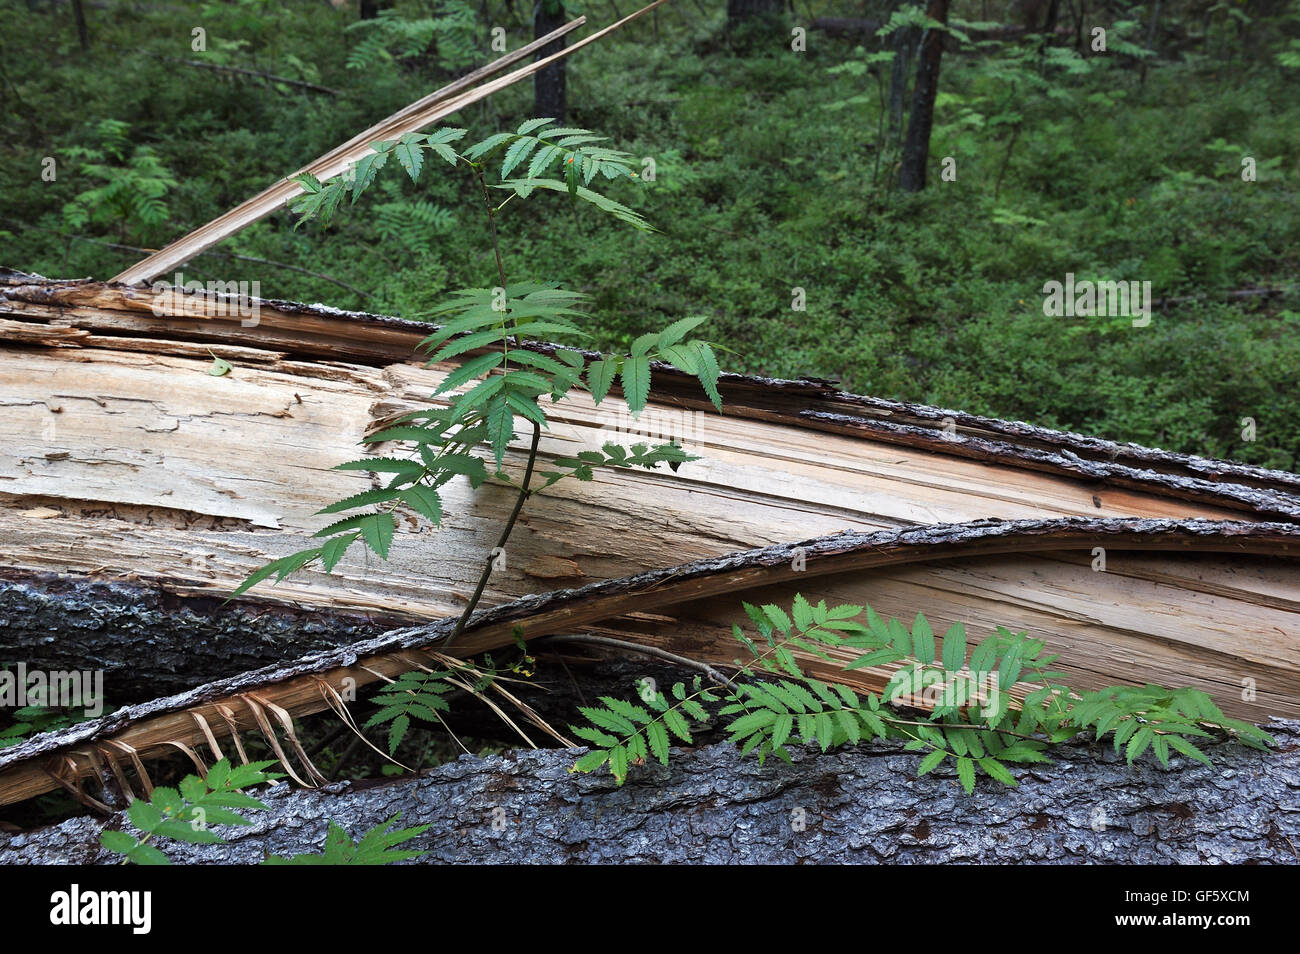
x: 690, y: 609
x: 710, y: 805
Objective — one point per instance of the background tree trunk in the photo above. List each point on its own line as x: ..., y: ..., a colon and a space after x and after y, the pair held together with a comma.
x: 916, y: 148
x: 859, y: 805
x: 904, y: 46
x: 739, y: 11
x: 83, y: 33
x: 550, y: 92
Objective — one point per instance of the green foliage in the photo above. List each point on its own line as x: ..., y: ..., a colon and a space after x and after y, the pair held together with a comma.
x: 35, y: 719
x: 932, y: 298
x: 501, y: 338
x: 612, y: 455
x: 185, y: 813
x: 375, y: 847
x: 133, y: 184
x: 391, y: 39
x: 772, y: 702
x: 414, y: 695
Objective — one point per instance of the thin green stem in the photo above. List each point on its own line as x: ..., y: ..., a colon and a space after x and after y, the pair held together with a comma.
x: 501, y: 541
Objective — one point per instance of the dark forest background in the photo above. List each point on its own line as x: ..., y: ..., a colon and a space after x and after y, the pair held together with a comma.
x: 775, y: 168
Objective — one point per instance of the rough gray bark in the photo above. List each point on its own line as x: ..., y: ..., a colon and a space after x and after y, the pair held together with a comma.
x: 1270, y: 503
x: 863, y: 805
x: 151, y: 643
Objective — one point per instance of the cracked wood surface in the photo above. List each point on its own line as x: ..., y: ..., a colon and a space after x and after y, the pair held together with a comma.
x: 1109, y: 638
x: 863, y: 804
x: 127, y: 459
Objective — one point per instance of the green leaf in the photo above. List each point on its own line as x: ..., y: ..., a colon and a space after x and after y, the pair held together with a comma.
x: 363, y: 499
x: 966, y: 774
x: 530, y: 125
x: 708, y: 372
x: 678, y: 330
x: 778, y: 617
x: 147, y: 855
x: 220, y: 367
x: 594, y: 736
x: 954, y: 647
x: 424, y: 501
x: 1138, y: 744
x: 998, y: 771
x: 144, y: 816
x: 636, y: 383
x: 385, y: 465
x: 931, y: 762
x: 364, y: 171
x: 678, y: 725
x: 501, y: 427
x: 609, y: 721
x: 591, y: 761
x: 618, y: 763
x: 471, y: 369
x: 1180, y: 744
x: 377, y: 530
x: 657, y: 735
x: 410, y: 155
x: 922, y: 639
x: 803, y: 614
x: 600, y: 375
x: 117, y: 841
x: 184, y: 831
x: 519, y: 150
x: 985, y: 655
x: 478, y: 150
x: 397, y: 732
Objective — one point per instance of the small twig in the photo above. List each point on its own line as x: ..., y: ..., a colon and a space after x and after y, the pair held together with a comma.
x: 219, y: 67
x: 645, y: 651
x: 243, y: 258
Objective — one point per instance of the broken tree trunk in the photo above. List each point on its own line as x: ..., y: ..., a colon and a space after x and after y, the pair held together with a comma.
x: 859, y: 805
x: 128, y: 461
x: 690, y: 610
x: 129, y: 482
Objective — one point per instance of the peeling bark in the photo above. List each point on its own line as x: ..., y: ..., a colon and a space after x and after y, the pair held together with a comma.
x: 860, y: 805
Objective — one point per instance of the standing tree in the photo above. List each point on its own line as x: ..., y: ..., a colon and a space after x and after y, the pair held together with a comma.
x: 916, y: 148
x: 83, y: 34
x: 550, y: 91
x: 739, y: 11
